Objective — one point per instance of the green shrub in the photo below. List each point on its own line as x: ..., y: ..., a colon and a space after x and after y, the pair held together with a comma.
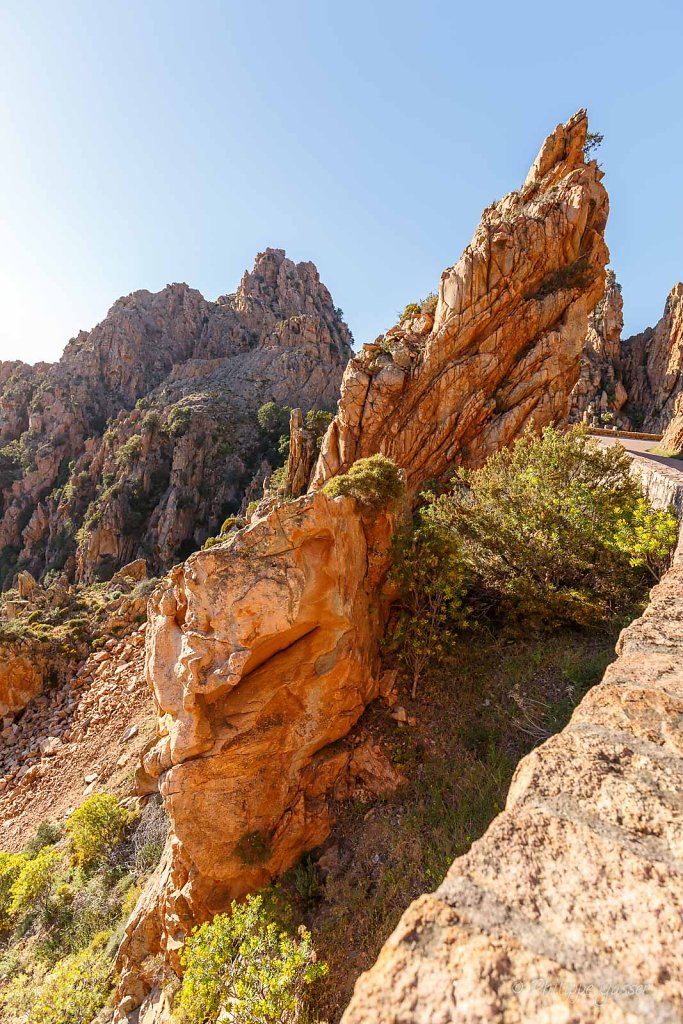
x: 556, y: 529
x: 430, y: 576
x: 317, y: 421
x: 593, y: 142
x: 48, y: 832
x: 95, y: 827
x: 375, y: 482
x: 273, y: 419
x: 229, y: 523
x: 278, y: 480
x: 151, y: 421
x: 76, y: 989
x: 129, y: 453
x: 79, y: 908
x: 429, y: 303
x: 242, y: 968
x: 11, y: 865
x: 179, y: 420
x: 32, y: 886
x: 411, y: 310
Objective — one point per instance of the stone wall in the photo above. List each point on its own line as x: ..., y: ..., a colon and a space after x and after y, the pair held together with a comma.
x: 569, y: 908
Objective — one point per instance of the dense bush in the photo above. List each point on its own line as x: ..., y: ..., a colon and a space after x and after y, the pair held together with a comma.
x: 62, y: 921
x: 431, y: 580
x: 375, y: 482
x: 129, y: 452
x: 426, y: 305
x: 556, y: 529
x: 242, y: 968
x: 32, y: 886
x: 411, y: 310
x: 317, y: 421
x: 48, y: 833
x: 179, y: 420
x: 76, y: 988
x: 11, y: 865
x: 95, y: 827
x: 273, y: 419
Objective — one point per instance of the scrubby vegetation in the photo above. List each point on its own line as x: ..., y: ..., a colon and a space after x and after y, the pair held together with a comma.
x: 426, y: 305
x: 63, y: 902
x: 375, y: 482
x: 593, y: 142
x: 431, y: 580
x: 554, y: 530
x: 59, y: 623
x: 96, y: 827
x: 244, y: 969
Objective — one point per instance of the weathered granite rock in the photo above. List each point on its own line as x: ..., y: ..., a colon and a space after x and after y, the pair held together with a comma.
x: 263, y: 651
x: 22, y: 672
x: 653, y: 367
x: 570, y: 906
x: 262, y: 655
x: 177, y: 382
x: 303, y: 453
x: 507, y: 336
x: 599, y: 394
x: 672, y: 439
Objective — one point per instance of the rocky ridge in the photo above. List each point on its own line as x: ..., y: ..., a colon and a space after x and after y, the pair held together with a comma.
x: 262, y: 651
x: 143, y: 437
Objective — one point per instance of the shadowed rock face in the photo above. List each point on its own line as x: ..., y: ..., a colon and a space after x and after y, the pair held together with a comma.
x: 653, y: 367
x: 601, y: 388
x: 263, y: 651
x: 89, y: 481
x: 507, y: 334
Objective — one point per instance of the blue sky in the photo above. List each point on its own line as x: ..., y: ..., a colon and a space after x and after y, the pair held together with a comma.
x: 154, y: 141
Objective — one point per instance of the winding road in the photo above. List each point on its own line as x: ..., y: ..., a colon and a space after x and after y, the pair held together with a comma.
x: 642, y: 448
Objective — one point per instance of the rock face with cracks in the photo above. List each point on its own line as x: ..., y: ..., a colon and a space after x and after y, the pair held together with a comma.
x: 653, y: 365
x: 600, y: 393
x: 262, y: 652
x: 507, y: 335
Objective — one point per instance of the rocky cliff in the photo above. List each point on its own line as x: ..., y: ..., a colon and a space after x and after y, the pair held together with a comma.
x: 599, y: 395
x: 569, y: 907
x: 653, y: 367
x: 143, y: 437
x: 634, y: 383
x: 263, y: 651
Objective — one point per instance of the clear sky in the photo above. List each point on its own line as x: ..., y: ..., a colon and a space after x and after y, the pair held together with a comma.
x: 148, y: 141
